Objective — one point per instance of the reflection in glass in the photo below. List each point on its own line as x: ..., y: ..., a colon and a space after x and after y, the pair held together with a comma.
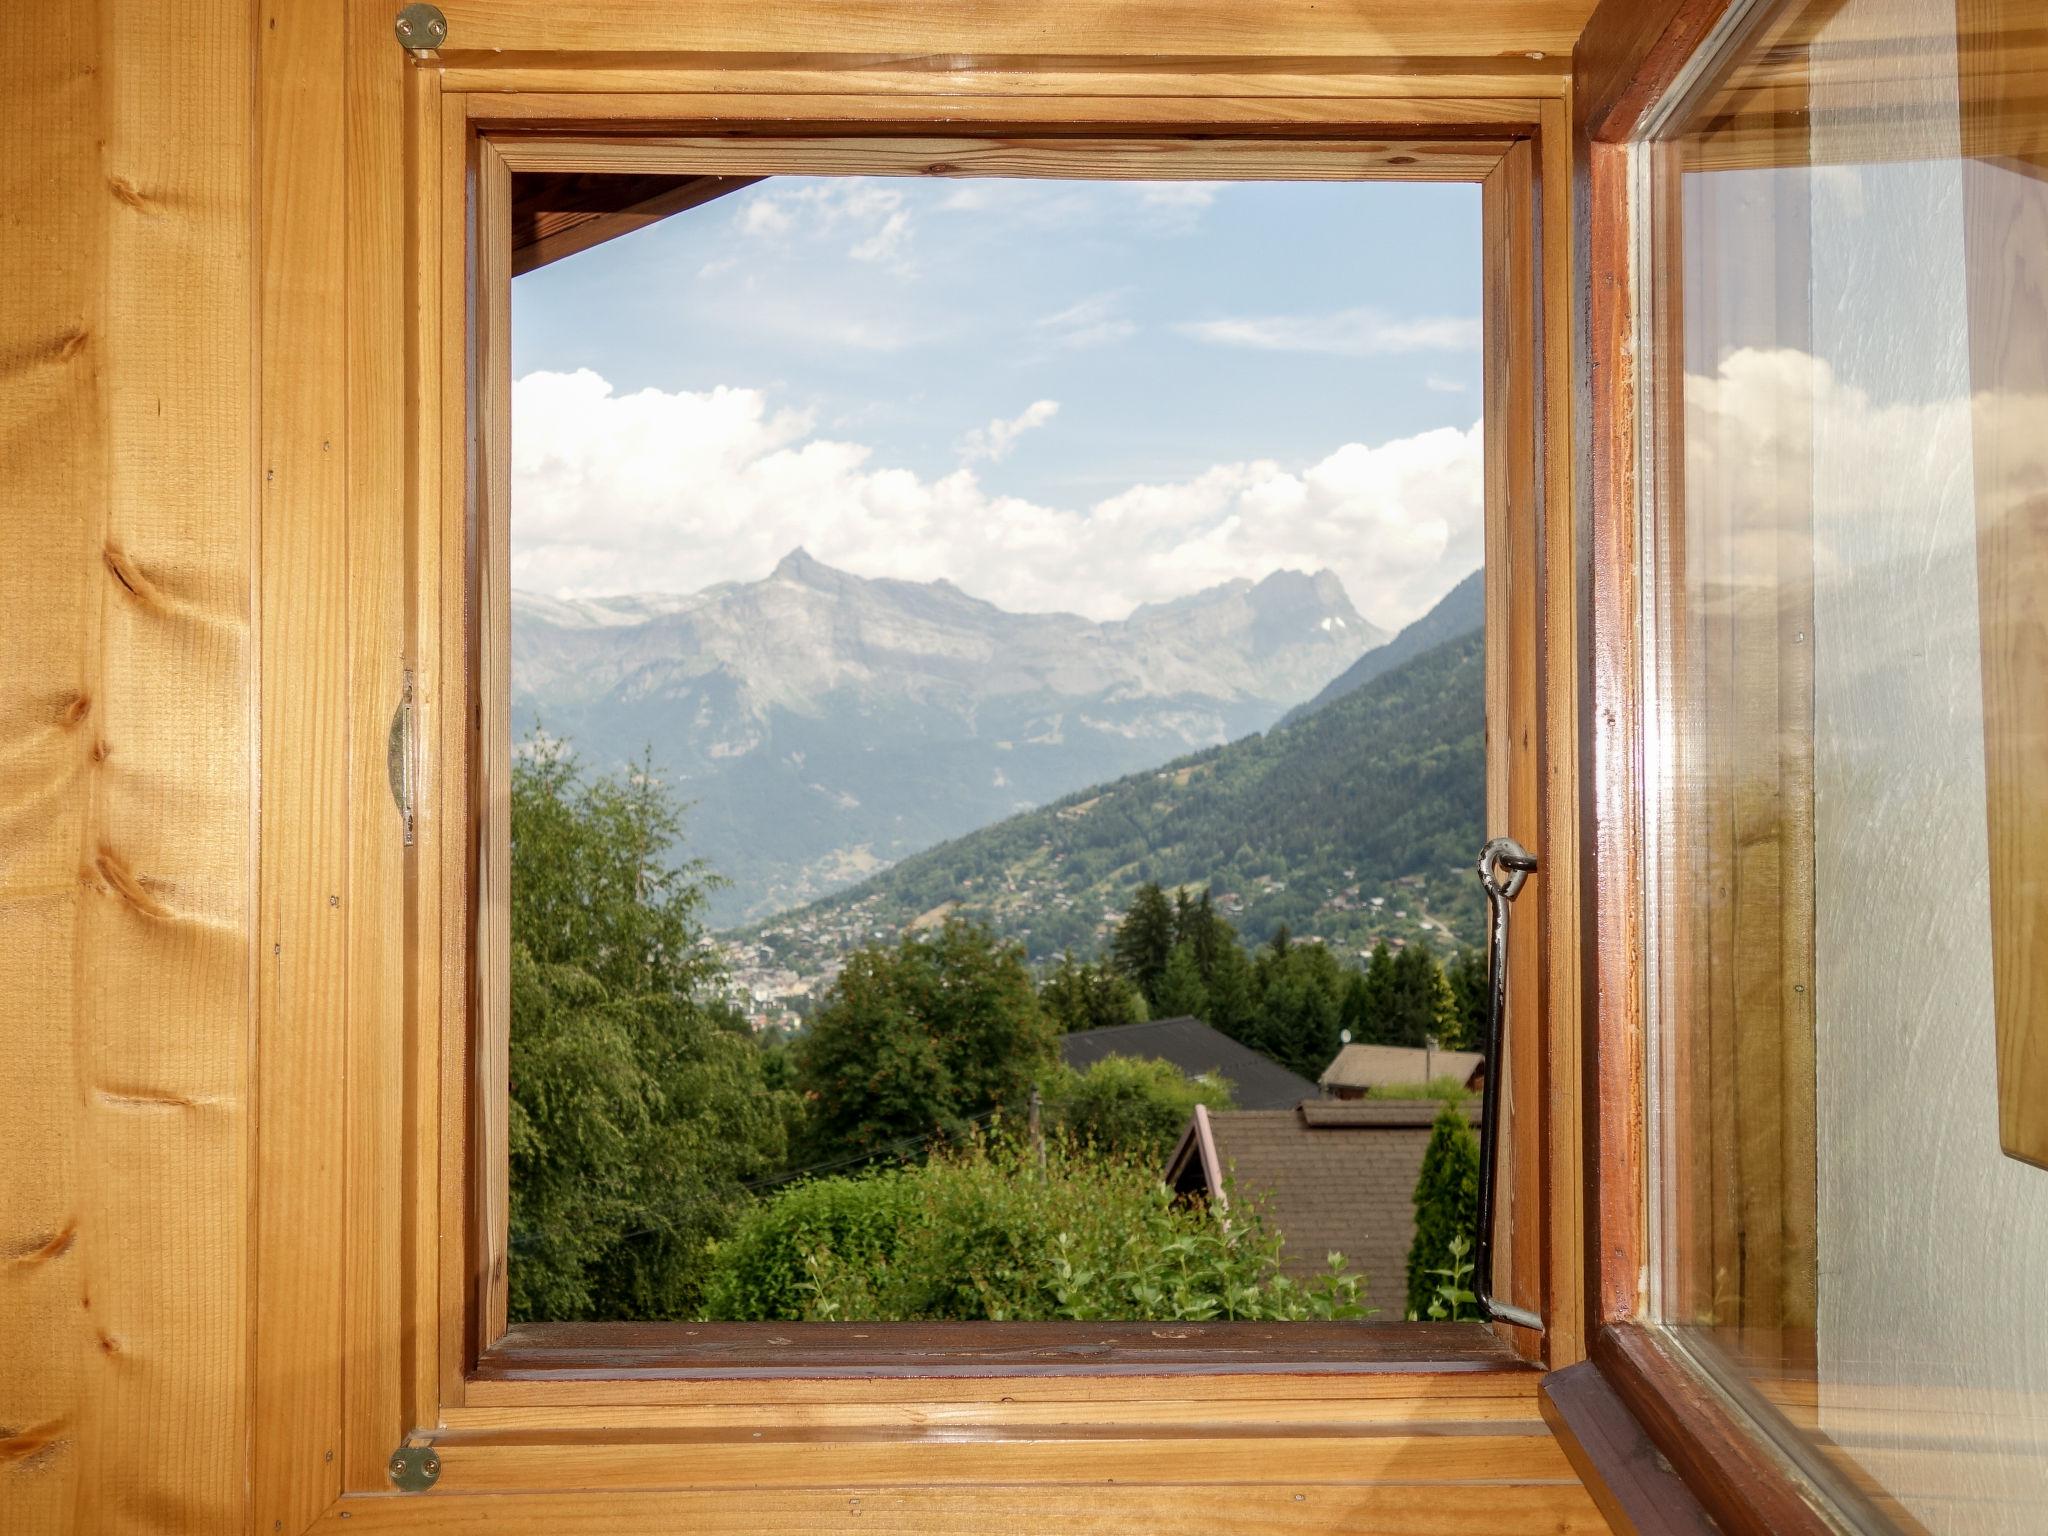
x: 1853, y: 785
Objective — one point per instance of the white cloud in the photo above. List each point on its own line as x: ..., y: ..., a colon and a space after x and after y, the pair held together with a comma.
x: 1179, y: 194
x: 658, y: 491
x: 1094, y: 322
x: 1438, y: 385
x: 995, y: 440
x: 872, y: 212
x: 1347, y: 333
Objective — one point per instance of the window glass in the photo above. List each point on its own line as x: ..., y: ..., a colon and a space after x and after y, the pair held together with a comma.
x: 1851, y: 765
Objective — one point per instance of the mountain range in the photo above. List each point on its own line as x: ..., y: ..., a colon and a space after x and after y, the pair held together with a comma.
x: 1358, y: 821
x: 824, y: 726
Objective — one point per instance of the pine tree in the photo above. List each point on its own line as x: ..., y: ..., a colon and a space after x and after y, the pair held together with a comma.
x: 1144, y: 939
x: 1081, y: 995
x: 1446, y: 1203
x: 1181, y: 993
x: 1466, y: 977
x: 1375, y: 1007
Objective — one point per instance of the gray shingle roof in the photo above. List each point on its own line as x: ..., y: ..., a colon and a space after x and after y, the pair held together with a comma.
x: 1329, y: 1176
x: 1256, y: 1082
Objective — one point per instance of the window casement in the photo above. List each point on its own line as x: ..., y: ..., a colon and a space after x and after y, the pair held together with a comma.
x: 423, y: 1237
x: 1816, y: 425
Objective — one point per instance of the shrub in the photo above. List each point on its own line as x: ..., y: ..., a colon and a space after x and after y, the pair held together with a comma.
x: 1130, y: 1106
x: 984, y: 1233
x: 1446, y: 1209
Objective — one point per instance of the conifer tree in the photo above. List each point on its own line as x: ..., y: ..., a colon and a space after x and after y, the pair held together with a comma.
x: 1446, y: 1203
x: 1144, y: 939
x: 1181, y: 993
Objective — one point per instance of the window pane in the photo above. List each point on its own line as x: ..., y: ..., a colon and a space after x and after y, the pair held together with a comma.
x: 1850, y: 786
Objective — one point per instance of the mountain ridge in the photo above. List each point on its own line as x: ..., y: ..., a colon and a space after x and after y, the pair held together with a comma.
x: 827, y: 724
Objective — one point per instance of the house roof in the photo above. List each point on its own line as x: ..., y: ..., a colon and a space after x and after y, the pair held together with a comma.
x: 1377, y: 1066
x: 1328, y: 1176
x: 1256, y: 1082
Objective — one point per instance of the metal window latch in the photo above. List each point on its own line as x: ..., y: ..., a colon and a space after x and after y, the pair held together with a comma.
x: 1504, y: 865
x: 420, y: 28
x: 398, y: 758
x: 414, y: 1468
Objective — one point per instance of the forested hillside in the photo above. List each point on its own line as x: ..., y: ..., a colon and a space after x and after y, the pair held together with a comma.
x: 1358, y: 822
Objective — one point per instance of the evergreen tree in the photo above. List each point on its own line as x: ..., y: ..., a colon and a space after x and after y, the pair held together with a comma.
x: 1144, y: 939
x: 1466, y: 977
x: 920, y: 1042
x: 1300, y: 1003
x: 1181, y: 993
x: 1446, y: 1203
x: 1375, y: 1005
x: 1422, y: 1006
x: 1082, y: 995
x: 1232, y: 992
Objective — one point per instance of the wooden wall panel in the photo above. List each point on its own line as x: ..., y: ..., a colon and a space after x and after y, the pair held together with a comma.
x: 303, y: 858
x: 1492, y: 29
x: 125, y: 791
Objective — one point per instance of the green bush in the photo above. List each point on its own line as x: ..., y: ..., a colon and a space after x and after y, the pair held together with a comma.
x: 1446, y: 1211
x: 985, y: 1233
x: 1129, y: 1105
x: 1450, y: 1089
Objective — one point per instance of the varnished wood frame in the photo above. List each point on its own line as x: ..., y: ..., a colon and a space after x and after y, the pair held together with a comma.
x: 1728, y: 1451
x: 418, y: 1368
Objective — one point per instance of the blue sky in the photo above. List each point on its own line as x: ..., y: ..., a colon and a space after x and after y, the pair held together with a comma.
x: 1057, y: 394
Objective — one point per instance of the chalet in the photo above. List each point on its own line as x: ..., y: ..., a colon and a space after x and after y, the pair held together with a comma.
x: 1256, y: 1081
x: 1330, y: 1177
x: 1361, y: 1069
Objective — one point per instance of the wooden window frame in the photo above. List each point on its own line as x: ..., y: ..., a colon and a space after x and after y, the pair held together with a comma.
x: 418, y: 1234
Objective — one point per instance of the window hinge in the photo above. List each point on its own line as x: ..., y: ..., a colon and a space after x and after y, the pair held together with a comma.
x: 420, y: 28
x: 398, y: 757
x: 415, y: 1468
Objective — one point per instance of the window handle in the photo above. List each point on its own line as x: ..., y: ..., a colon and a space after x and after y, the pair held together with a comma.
x: 1504, y: 865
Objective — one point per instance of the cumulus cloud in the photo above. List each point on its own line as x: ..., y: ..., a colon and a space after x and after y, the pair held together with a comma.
x: 661, y: 491
x: 1347, y: 333
x: 995, y: 440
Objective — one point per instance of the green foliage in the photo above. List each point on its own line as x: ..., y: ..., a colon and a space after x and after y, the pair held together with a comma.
x: 1403, y: 999
x: 639, y: 1110
x: 1451, y: 1089
x: 1446, y: 1206
x: 984, y: 1233
x: 1387, y: 782
x: 1129, y: 1106
x: 1144, y: 939
x: 1452, y: 1299
x: 919, y: 1042
x: 1465, y: 975
x: 1181, y: 993
x: 1081, y: 994
x: 1301, y: 992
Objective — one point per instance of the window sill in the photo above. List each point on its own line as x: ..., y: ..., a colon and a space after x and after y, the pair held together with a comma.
x: 585, y: 1352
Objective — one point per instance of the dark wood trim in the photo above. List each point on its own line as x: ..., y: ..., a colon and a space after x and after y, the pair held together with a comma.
x: 1731, y: 1469
x: 1628, y: 55
x: 1633, y: 1482
x: 743, y: 1351
x: 557, y: 213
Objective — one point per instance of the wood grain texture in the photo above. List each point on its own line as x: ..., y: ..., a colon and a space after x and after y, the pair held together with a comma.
x: 126, y: 516
x: 303, y: 856
x: 1099, y: 157
x: 1090, y: 28
x: 684, y: 87
x: 1744, y: 1487
x: 1630, y: 1480
x: 1628, y: 55
x: 1210, y: 1508
x: 379, y: 662
x: 2005, y: 232
x: 558, y: 216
